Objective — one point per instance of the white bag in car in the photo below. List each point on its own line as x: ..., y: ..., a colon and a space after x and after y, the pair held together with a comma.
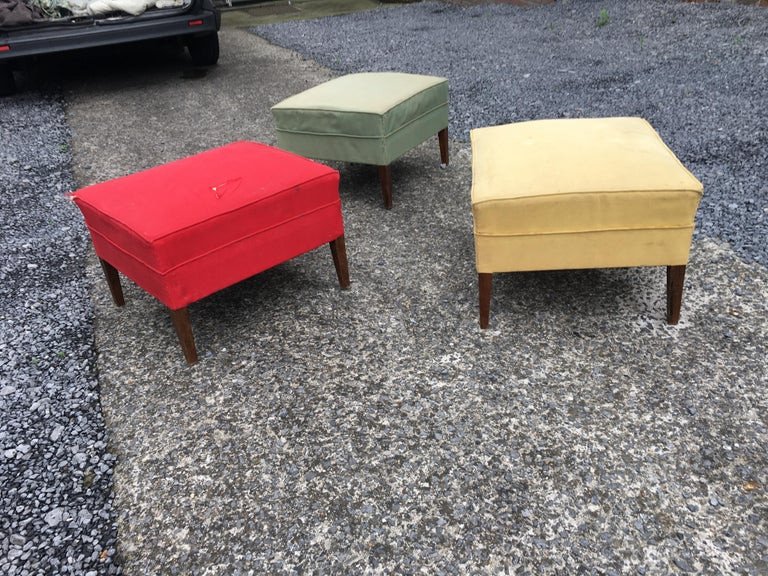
x: 133, y: 7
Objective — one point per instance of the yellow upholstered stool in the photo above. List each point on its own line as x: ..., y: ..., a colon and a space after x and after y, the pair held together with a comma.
x: 582, y: 193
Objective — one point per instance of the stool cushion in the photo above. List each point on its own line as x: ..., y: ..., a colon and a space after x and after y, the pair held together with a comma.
x: 579, y: 193
x: 189, y: 228
x: 371, y: 118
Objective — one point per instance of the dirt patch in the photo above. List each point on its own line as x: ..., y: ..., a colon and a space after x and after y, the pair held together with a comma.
x: 270, y: 10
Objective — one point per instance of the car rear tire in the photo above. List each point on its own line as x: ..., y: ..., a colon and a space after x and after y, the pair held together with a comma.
x: 7, y: 83
x: 204, y: 50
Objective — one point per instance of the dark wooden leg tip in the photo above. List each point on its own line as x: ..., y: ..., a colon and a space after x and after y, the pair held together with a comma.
x: 180, y: 319
x: 675, y: 279
x: 442, y: 138
x: 339, y: 253
x: 113, y: 281
x: 485, y: 282
x: 385, y: 176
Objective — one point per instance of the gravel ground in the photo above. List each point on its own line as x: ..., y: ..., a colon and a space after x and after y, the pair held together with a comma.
x: 379, y: 430
x: 56, y: 513
x: 697, y: 72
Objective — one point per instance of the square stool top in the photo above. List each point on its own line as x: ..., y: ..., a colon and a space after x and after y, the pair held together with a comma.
x: 187, y: 229
x: 170, y: 214
x: 578, y: 175
x: 371, y: 117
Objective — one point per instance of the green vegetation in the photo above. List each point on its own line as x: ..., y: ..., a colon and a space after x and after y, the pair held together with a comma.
x: 602, y: 18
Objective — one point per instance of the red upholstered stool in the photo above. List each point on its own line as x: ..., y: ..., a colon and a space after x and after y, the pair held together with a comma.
x: 187, y: 229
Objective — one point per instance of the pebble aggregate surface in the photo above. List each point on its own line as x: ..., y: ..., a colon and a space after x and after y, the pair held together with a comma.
x: 379, y: 430
x: 698, y: 74
x: 56, y: 513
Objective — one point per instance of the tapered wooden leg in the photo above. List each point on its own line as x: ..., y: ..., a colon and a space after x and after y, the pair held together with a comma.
x: 485, y: 281
x: 113, y: 281
x: 339, y: 252
x: 385, y: 175
x: 442, y: 137
x: 180, y: 319
x: 675, y: 279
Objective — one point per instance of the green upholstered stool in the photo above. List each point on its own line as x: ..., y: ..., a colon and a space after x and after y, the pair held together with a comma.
x: 369, y: 118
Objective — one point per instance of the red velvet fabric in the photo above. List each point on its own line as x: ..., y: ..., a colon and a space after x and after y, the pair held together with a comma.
x: 189, y: 228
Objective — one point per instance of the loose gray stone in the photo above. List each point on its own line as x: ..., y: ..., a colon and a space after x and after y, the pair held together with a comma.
x: 17, y: 540
x: 56, y: 434
x: 53, y: 518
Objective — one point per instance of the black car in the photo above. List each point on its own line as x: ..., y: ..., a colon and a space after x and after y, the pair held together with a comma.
x: 30, y: 28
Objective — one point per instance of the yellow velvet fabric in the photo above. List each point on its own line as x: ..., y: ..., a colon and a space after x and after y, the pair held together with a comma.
x: 579, y: 193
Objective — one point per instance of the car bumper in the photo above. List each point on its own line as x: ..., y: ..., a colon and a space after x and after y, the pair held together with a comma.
x: 34, y: 41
